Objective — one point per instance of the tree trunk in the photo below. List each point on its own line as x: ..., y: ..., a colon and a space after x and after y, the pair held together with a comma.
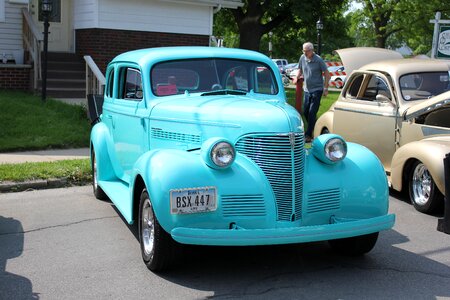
x: 250, y: 36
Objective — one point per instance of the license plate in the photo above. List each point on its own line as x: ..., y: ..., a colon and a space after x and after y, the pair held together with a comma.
x: 193, y: 200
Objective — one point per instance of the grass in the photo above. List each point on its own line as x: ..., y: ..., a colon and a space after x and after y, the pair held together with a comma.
x: 77, y: 171
x: 28, y: 124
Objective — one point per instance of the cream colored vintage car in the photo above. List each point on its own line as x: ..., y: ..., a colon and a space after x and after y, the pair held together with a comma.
x: 400, y: 109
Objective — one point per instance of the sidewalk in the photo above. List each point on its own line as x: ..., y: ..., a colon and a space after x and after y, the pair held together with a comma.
x: 43, y: 155
x: 39, y: 156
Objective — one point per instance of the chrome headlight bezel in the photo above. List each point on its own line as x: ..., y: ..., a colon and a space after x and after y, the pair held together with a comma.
x: 329, y: 148
x: 218, y: 153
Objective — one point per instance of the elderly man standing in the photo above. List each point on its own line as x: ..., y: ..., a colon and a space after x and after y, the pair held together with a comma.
x: 311, y: 66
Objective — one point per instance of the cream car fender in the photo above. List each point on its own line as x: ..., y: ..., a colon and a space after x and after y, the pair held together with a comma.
x: 429, y: 152
x: 325, y: 121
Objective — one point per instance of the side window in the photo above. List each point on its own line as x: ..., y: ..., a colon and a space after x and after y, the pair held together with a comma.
x: 376, y: 86
x: 352, y: 91
x: 110, y: 89
x: 131, y: 84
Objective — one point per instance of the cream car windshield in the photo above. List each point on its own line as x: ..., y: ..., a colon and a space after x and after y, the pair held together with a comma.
x: 419, y: 86
x: 212, y: 77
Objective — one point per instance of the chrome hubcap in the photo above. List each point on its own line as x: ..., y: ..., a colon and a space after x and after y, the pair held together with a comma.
x: 421, y: 184
x: 148, y: 227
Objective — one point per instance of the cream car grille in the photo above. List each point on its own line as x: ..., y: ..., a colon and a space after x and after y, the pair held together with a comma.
x: 281, y: 158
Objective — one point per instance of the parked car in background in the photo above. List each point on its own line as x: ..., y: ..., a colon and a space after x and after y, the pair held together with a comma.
x: 290, y: 67
x: 400, y: 109
x: 198, y: 145
x: 337, y: 76
x: 281, y: 63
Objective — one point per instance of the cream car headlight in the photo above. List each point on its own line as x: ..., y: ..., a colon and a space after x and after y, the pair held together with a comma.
x: 218, y: 153
x: 329, y: 148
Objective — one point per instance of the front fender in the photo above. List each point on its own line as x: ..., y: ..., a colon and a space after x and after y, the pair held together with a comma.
x: 325, y: 121
x: 355, y: 187
x: 100, y: 138
x: 428, y: 152
x: 163, y: 170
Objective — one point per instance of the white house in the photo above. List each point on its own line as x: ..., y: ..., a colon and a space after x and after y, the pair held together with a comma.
x: 101, y: 28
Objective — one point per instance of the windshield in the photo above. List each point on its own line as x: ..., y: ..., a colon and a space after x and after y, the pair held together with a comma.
x: 417, y: 86
x: 206, y: 75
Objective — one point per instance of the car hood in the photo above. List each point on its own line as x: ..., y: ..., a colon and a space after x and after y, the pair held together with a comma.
x: 355, y: 58
x: 427, y: 106
x: 229, y: 114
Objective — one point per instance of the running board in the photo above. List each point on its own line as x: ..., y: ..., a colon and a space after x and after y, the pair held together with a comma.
x: 119, y: 193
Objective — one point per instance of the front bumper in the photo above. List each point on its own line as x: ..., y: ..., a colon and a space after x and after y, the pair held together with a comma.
x: 339, y: 228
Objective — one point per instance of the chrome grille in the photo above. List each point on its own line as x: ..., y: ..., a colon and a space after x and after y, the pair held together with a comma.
x: 325, y: 200
x: 281, y: 158
x: 243, y: 205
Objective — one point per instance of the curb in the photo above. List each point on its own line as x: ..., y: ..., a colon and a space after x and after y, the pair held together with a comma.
x: 40, y: 184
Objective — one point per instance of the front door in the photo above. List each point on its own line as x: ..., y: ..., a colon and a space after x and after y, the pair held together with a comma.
x: 60, y: 38
x: 367, y: 115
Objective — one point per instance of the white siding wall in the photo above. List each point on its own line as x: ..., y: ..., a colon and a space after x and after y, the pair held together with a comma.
x: 144, y: 15
x: 85, y: 14
x: 11, y: 28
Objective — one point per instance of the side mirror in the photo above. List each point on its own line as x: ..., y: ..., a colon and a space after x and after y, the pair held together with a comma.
x: 382, y: 98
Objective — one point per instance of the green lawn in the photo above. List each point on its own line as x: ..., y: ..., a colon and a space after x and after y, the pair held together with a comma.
x: 28, y: 124
x: 77, y: 171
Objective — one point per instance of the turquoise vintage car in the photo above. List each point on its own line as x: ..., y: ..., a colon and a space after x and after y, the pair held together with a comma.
x: 199, y: 146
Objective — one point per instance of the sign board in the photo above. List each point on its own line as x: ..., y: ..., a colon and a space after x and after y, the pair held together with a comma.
x: 443, y: 43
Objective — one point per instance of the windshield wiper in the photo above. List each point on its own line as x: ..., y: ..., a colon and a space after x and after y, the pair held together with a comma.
x: 224, y: 92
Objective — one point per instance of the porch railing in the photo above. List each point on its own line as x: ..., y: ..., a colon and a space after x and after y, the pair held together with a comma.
x: 95, y: 80
x: 32, y: 40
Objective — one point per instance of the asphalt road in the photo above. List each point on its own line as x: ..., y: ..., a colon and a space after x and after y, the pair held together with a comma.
x: 65, y: 244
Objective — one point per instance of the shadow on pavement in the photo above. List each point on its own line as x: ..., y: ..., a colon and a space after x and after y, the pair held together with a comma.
x: 12, y: 286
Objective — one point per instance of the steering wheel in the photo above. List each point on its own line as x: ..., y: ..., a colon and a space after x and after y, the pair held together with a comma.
x: 216, y: 86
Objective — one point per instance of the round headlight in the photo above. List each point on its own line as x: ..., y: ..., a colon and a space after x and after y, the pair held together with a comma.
x: 335, y: 149
x: 222, y: 154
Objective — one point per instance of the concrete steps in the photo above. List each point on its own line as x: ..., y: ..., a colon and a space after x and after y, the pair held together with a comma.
x: 66, y: 76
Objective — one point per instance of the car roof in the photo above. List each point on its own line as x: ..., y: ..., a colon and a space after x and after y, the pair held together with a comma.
x: 150, y: 56
x: 398, y: 67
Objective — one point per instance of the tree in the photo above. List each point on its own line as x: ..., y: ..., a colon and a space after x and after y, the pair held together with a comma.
x: 291, y: 21
x: 393, y: 23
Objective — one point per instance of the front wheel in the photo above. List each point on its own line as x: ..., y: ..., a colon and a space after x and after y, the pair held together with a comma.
x: 423, y: 191
x: 158, y: 249
x: 354, y: 246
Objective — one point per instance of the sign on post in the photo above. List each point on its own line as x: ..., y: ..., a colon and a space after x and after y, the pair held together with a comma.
x: 443, y: 43
x: 441, y: 37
